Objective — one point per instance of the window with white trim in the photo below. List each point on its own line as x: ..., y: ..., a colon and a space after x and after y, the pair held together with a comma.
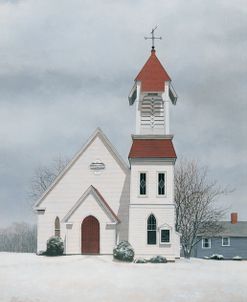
x: 151, y: 229
x: 206, y: 243
x: 225, y: 241
x: 143, y: 183
x: 164, y: 236
x: 161, y: 183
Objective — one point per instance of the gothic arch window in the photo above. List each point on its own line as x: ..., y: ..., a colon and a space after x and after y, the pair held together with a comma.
x: 57, y: 227
x: 151, y: 229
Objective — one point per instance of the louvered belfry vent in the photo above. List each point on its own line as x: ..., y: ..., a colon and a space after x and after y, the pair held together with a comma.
x: 152, y: 113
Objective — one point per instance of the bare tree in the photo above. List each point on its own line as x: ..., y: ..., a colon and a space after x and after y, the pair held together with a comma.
x: 44, y: 176
x: 195, y: 201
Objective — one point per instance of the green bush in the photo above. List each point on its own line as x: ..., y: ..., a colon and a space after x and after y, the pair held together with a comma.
x: 124, y: 251
x: 55, y: 246
x: 140, y: 260
x: 158, y: 259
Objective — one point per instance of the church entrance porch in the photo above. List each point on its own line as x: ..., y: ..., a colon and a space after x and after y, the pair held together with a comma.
x: 90, y: 236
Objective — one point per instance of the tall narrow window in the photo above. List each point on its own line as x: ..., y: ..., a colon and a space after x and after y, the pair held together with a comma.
x: 161, y: 183
x: 151, y: 230
x: 143, y: 183
x: 57, y: 227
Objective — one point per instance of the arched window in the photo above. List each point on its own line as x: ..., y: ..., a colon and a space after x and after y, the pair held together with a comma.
x: 151, y: 229
x: 57, y: 227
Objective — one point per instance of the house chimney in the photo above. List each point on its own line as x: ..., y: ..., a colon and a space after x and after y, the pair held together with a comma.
x: 234, y: 218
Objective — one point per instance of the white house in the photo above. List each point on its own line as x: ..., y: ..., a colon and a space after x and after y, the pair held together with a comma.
x: 99, y: 200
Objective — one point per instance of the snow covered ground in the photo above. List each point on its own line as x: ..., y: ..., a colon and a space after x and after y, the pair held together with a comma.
x: 31, y: 278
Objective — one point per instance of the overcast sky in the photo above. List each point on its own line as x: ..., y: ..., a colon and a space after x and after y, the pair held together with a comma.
x: 67, y: 67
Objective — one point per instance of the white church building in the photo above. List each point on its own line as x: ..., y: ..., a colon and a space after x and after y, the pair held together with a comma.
x: 99, y: 200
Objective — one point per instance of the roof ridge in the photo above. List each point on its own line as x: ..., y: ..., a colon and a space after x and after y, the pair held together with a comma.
x: 89, y: 190
x: 107, y: 144
x: 106, y: 203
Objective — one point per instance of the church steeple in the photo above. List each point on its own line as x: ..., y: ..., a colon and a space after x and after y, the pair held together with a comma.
x: 152, y: 158
x: 152, y: 93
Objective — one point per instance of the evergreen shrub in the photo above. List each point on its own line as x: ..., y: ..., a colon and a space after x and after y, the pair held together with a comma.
x: 54, y: 246
x: 124, y: 252
x: 158, y: 259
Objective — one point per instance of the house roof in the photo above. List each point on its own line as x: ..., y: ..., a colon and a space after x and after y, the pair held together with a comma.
x: 152, y: 148
x: 153, y: 75
x: 92, y: 190
x: 97, y: 133
x: 238, y: 229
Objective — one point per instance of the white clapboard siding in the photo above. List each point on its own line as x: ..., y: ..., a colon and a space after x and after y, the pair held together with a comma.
x: 73, y: 234
x: 138, y: 230
x: 112, y: 183
x: 162, y: 207
x: 152, y: 169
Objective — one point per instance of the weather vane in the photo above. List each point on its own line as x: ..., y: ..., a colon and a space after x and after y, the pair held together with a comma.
x: 153, y: 37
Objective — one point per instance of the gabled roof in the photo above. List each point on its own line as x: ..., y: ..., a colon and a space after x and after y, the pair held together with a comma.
x: 92, y: 190
x: 238, y: 229
x: 97, y: 133
x: 165, y: 225
x: 152, y: 148
x: 153, y: 75
x: 229, y: 229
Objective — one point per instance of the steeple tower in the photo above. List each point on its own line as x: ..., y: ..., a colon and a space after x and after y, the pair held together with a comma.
x: 152, y: 94
x: 152, y: 158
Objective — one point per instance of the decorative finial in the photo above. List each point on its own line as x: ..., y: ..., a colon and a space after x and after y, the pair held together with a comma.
x: 153, y: 37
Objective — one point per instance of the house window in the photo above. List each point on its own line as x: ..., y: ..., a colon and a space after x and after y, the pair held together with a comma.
x: 161, y: 183
x: 57, y: 227
x: 206, y: 243
x: 151, y: 230
x: 164, y: 236
x: 225, y: 241
x: 143, y: 183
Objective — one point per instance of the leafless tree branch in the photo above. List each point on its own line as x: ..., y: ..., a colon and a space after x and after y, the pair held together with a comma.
x: 195, y: 201
x: 43, y: 177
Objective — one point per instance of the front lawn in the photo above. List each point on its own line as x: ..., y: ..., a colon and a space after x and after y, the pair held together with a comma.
x: 31, y: 278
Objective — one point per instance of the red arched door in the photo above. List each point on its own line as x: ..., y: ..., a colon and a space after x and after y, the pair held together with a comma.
x: 90, y: 235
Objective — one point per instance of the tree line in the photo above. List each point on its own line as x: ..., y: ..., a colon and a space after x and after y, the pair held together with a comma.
x: 19, y: 237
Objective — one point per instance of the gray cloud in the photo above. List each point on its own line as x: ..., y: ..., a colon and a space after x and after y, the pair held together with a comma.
x: 66, y: 67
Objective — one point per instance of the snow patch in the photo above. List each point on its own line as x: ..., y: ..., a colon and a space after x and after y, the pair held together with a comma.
x: 32, y: 278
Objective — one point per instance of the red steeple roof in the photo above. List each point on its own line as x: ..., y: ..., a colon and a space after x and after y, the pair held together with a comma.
x: 152, y: 148
x: 153, y: 75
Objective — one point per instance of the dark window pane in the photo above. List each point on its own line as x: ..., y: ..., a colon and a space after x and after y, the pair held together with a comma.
x: 151, y: 229
x: 151, y: 237
x: 142, y: 183
x: 151, y: 222
x: 165, y: 236
x: 161, y: 183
